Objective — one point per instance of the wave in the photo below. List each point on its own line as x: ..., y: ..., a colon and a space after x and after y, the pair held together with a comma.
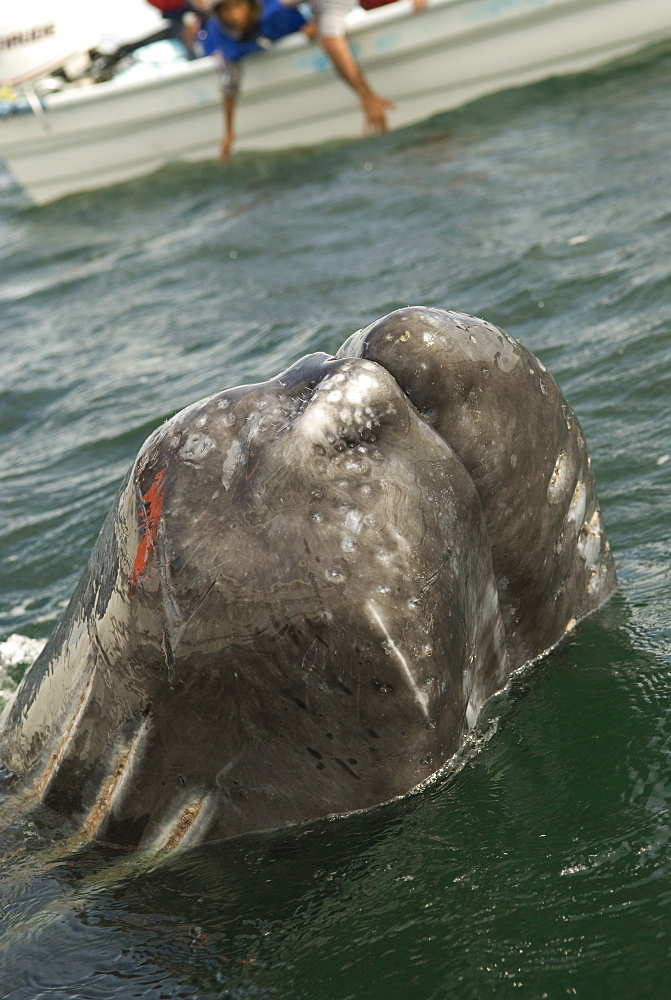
x: 16, y: 653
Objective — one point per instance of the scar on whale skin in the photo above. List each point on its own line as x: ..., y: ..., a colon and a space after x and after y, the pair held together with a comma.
x: 302, y: 611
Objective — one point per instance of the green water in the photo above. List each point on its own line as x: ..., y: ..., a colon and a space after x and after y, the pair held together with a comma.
x: 543, y: 868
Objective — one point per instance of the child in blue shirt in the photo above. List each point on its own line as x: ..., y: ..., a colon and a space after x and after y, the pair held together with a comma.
x: 236, y: 29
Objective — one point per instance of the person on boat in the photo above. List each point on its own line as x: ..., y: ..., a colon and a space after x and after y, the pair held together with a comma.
x: 330, y: 18
x: 236, y: 29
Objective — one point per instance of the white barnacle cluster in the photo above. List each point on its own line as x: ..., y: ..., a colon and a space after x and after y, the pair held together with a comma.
x: 275, y: 414
x: 591, y: 546
x: 337, y: 424
x: 575, y: 514
x: 349, y: 525
x: 192, y: 419
x: 566, y: 413
x: 559, y: 478
x: 354, y: 521
x: 342, y: 405
x: 196, y: 447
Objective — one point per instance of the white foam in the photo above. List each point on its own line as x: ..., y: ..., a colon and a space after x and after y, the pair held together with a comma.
x: 15, y: 651
x: 18, y: 649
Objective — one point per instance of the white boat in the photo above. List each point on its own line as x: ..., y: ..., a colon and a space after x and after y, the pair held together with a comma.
x: 453, y: 51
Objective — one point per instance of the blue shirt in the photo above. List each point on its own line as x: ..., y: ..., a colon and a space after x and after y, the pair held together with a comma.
x: 275, y: 22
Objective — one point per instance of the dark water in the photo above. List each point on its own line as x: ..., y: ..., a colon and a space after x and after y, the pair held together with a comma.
x: 543, y: 869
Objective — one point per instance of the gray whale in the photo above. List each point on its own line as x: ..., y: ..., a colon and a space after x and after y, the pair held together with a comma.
x: 307, y: 588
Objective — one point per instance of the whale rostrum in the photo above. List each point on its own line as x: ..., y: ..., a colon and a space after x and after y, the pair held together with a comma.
x: 307, y: 588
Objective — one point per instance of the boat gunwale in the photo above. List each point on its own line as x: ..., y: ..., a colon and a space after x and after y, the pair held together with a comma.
x: 360, y: 22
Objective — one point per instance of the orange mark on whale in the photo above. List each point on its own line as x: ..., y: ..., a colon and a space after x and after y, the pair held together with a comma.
x: 248, y: 475
x: 150, y: 518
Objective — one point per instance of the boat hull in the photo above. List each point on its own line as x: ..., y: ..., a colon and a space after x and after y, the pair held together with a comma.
x: 451, y: 53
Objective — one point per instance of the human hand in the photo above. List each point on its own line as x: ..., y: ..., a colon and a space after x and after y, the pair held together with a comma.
x: 226, y: 148
x: 374, y: 109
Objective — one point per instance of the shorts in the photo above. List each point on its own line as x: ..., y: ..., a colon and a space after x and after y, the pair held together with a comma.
x: 330, y: 16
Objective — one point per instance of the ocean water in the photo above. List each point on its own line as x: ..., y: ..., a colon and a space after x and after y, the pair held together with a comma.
x: 542, y: 869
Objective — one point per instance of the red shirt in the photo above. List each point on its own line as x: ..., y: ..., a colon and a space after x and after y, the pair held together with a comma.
x: 167, y: 5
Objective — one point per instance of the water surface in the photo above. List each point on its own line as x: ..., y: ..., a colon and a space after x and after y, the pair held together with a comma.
x: 543, y: 869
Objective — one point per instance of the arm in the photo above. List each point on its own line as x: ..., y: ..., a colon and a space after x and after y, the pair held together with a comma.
x: 229, y: 135
x: 310, y: 30
x: 374, y: 107
x: 230, y: 85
